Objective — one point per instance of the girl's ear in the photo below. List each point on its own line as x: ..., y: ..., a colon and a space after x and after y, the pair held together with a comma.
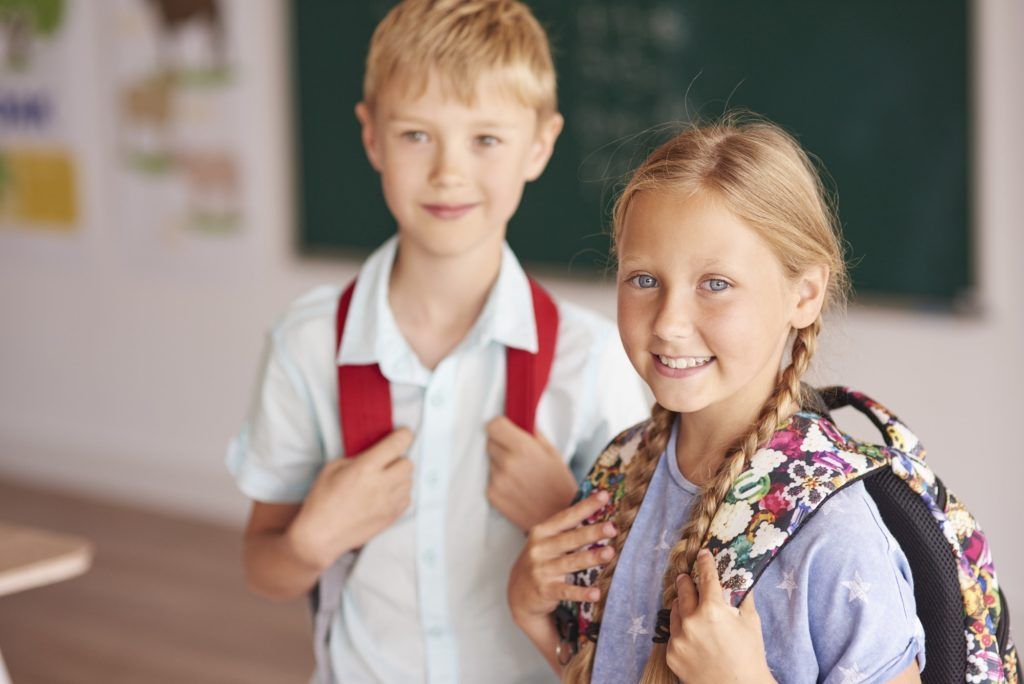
x: 369, y: 134
x: 810, y: 293
x: 544, y: 145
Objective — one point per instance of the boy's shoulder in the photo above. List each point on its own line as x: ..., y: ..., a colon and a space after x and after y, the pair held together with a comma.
x: 309, y: 318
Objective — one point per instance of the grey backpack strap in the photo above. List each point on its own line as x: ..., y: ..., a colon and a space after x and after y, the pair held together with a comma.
x: 327, y: 598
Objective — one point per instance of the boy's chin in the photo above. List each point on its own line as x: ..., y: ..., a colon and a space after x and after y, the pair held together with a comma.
x: 449, y: 242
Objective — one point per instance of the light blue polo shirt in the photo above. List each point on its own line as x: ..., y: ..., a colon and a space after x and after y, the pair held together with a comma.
x: 425, y: 600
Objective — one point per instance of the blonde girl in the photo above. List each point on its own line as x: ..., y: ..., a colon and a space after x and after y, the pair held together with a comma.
x: 728, y: 254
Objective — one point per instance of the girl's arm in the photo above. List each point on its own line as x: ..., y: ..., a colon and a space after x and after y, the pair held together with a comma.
x: 555, y: 548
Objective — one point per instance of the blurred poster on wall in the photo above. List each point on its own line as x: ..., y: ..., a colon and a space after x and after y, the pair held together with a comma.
x: 175, y: 101
x: 39, y: 175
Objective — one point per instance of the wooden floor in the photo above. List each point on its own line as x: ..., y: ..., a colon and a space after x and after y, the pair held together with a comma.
x: 164, y: 602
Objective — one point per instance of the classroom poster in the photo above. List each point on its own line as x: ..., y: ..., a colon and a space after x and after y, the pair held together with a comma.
x: 39, y: 175
x: 175, y: 100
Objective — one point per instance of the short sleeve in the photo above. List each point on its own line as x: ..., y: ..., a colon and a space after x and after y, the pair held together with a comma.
x: 278, y: 452
x: 616, y: 398
x: 861, y: 614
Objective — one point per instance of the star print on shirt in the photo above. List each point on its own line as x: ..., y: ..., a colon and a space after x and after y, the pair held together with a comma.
x: 637, y: 629
x: 662, y: 545
x: 858, y: 588
x: 852, y: 675
x: 788, y: 582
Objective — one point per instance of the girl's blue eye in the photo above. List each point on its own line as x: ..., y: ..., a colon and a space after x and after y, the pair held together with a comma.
x: 415, y: 136
x: 717, y: 284
x: 644, y: 281
x: 487, y: 140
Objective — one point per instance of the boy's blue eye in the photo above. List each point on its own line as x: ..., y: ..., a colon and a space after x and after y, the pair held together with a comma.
x: 644, y: 281
x: 415, y: 136
x: 717, y: 284
x: 487, y: 140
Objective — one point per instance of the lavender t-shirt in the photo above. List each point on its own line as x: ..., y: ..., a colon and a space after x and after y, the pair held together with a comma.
x: 836, y: 604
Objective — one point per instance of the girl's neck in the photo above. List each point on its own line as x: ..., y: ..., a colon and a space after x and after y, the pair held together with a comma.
x: 705, y: 436
x: 436, y: 299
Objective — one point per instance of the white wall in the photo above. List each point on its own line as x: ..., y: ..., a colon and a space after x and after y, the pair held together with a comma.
x: 127, y: 383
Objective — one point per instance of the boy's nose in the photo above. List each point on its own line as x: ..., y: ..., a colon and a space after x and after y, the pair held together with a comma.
x: 448, y: 168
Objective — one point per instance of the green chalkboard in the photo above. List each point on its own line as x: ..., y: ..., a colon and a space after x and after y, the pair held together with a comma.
x: 878, y: 90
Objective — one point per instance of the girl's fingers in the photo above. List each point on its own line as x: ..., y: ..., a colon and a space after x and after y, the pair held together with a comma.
x: 570, y: 592
x: 675, y: 618
x: 687, y: 595
x: 578, y: 538
x: 570, y: 517
x: 748, y: 610
x: 581, y: 560
x: 708, y: 585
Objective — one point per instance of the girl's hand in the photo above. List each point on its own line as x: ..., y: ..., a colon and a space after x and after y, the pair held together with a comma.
x: 710, y: 641
x: 555, y: 548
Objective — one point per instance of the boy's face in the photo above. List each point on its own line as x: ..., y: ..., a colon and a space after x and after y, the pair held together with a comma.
x: 452, y: 173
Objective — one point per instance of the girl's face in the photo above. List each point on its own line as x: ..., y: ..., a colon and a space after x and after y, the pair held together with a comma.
x: 704, y: 306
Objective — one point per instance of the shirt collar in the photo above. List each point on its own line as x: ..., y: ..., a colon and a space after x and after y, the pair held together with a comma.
x: 507, y: 318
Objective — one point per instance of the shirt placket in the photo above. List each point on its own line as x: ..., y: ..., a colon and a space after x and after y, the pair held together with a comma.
x: 436, y: 428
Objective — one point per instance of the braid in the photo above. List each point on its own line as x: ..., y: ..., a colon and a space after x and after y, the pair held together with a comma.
x: 695, y: 531
x: 638, y: 476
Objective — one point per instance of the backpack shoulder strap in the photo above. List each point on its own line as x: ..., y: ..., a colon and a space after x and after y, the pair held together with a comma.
x: 526, y: 374
x: 574, y: 620
x: 364, y: 394
x: 786, y: 482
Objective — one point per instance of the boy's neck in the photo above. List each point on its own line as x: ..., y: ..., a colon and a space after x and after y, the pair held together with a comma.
x: 436, y: 299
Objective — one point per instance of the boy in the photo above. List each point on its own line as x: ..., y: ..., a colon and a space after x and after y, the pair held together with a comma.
x: 422, y: 526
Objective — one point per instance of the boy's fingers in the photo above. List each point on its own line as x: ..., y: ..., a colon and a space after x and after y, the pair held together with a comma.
x: 687, y: 593
x: 572, y: 516
x: 708, y: 586
x: 504, y: 431
x: 388, y: 449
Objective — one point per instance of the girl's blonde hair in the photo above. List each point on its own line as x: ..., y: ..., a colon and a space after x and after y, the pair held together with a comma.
x: 460, y: 41
x: 760, y: 174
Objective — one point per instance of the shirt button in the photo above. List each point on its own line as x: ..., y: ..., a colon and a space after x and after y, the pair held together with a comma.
x: 428, y: 557
x: 436, y: 399
x: 435, y: 632
x: 432, y: 477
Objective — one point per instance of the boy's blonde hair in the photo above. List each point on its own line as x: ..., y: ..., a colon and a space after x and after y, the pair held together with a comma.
x: 760, y: 174
x: 459, y: 41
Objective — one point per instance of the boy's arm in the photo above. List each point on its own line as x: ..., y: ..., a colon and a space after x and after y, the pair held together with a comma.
x: 287, y: 546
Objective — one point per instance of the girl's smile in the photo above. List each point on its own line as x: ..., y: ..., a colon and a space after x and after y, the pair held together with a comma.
x: 681, y: 366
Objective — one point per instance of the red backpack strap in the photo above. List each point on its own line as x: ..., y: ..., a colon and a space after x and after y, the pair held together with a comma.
x: 364, y: 395
x: 526, y: 374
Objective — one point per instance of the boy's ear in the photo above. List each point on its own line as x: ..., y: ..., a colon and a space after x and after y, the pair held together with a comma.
x: 369, y: 134
x: 810, y: 293
x: 544, y: 145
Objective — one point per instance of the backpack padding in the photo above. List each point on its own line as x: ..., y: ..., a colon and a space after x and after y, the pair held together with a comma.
x: 936, y: 587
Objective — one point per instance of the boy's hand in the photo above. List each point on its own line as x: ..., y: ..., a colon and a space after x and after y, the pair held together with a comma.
x: 528, y: 480
x: 555, y: 548
x: 710, y: 641
x: 353, y: 499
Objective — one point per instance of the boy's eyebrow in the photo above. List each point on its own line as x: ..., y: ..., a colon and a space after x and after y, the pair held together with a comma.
x: 403, y: 118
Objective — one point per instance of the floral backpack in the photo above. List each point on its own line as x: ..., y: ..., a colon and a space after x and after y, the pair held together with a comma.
x: 964, y: 613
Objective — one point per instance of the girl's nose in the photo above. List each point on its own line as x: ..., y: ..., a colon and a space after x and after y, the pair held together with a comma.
x: 674, y: 319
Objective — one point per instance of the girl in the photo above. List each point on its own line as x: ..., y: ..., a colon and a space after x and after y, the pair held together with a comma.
x: 728, y: 253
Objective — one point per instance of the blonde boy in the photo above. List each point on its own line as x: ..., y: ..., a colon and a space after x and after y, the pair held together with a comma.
x: 459, y: 112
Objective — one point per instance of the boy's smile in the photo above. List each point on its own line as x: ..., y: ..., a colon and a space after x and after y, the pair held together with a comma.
x: 453, y: 172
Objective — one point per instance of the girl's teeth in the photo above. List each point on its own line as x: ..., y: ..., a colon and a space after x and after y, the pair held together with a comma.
x: 684, y: 362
